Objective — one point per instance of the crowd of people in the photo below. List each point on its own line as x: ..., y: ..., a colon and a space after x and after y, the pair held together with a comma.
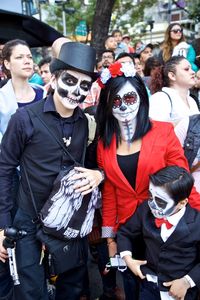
x: 141, y: 104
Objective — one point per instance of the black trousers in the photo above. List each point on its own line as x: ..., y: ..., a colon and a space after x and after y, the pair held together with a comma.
x: 32, y: 274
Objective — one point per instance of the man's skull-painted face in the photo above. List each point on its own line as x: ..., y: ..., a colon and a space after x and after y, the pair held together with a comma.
x: 73, y: 87
x: 126, y: 103
x: 160, y: 202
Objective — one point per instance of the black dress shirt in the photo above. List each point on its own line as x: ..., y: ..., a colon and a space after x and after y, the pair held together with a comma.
x: 17, y: 136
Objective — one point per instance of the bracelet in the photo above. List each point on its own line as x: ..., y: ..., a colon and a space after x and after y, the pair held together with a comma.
x: 110, y: 242
x: 102, y: 174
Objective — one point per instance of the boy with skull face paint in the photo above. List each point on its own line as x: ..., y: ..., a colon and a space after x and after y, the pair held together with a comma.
x: 28, y: 144
x: 168, y: 225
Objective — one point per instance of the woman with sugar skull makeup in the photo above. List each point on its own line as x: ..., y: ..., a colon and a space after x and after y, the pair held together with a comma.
x: 130, y: 148
x: 28, y: 144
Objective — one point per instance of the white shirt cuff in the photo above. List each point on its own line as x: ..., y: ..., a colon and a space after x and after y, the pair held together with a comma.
x: 124, y: 253
x: 189, y: 279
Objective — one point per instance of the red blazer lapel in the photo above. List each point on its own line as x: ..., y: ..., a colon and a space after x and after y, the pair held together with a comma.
x: 146, y: 154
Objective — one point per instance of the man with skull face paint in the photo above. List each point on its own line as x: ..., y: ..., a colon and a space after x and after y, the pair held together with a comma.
x: 171, y: 269
x: 130, y: 148
x: 27, y: 140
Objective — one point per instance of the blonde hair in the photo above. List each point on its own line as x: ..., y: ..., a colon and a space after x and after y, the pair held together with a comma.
x: 167, y: 46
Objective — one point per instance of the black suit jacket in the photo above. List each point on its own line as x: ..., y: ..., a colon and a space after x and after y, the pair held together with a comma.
x: 169, y: 260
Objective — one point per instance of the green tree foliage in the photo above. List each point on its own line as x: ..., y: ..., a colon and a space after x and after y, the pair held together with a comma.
x: 82, y: 12
x: 125, y: 14
x: 128, y: 13
x: 193, y: 10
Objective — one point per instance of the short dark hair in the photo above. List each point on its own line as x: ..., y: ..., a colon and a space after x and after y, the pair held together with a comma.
x: 150, y: 64
x: 177, y: 181
x: 107, y: 124
x: 44, y: 61
x: 116, y: 31
x: 108, y: 51
x: 124, y: 54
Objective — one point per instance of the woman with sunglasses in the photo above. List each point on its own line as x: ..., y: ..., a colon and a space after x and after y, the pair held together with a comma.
x: 130, y: 148
x: 175, y: 44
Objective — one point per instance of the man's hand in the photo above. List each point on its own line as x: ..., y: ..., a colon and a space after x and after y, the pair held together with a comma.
x: 3, y: 252
x: 90, y: 180
x: 134, y: 265
x: 178, y: 288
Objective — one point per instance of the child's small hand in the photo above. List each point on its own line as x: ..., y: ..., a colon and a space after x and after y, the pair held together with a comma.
x: 178, y: 288
x: 134, y: 265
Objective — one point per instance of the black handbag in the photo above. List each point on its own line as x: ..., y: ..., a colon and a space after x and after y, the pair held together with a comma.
x: 62, y: 255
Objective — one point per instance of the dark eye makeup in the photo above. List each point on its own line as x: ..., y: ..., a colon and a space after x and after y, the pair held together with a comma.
x: 129, y: 99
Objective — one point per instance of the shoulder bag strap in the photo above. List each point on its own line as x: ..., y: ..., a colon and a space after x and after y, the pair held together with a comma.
x: 36, y: 219
x: 169, y: 100
x: 57, y: 140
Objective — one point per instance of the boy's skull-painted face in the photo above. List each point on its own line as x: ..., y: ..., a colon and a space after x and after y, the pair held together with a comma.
x: 73, y: 87
x: 160, y: 202
x: 126, y: 103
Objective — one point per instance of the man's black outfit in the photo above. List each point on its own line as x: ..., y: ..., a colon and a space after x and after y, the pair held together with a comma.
x: 29, y: 141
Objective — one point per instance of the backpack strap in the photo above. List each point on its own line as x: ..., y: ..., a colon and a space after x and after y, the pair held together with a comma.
x: 91, y: 127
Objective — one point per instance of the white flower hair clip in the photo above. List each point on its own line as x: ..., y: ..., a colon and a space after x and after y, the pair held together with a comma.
x: 114, y: 70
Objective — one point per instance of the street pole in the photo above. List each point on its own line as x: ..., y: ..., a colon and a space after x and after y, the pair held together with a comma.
x: 64, y: 23
x: 169, y: 11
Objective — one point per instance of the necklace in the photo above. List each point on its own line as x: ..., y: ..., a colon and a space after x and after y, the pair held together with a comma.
x: 66, y: 141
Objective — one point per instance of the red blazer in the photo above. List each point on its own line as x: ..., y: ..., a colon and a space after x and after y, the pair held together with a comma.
x: 160, y: 148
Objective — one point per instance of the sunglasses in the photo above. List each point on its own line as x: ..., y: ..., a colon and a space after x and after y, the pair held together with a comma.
x: 177, y: 30
x: 128, y: 99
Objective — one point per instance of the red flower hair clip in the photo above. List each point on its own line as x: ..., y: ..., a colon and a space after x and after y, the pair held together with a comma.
x: 114, y: 70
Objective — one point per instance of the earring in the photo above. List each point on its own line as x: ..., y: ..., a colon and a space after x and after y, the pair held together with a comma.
x: 53, y: 85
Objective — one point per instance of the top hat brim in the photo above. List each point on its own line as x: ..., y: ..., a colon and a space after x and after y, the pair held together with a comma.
x: 57, y: 65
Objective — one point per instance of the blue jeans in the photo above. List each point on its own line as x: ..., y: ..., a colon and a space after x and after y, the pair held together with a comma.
x: 6, y: 282
x: 109, y: 279
x: 149, y: 291
x: 131, y: 285
x: 28, y: 251
x: 32, y: 274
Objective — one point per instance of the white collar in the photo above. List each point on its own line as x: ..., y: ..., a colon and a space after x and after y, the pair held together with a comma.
x: 175, y: 218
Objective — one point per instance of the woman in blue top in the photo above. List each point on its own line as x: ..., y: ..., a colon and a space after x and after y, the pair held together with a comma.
x: 17, y: 92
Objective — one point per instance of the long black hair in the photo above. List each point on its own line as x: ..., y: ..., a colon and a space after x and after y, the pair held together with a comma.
x: 107, y: 124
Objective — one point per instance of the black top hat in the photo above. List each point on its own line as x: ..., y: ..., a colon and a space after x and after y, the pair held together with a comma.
x: 75, y: 56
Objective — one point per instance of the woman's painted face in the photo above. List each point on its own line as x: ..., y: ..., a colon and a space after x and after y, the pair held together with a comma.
x: 73, y: 87
x: 160, y: 202
x: 126, y: 103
